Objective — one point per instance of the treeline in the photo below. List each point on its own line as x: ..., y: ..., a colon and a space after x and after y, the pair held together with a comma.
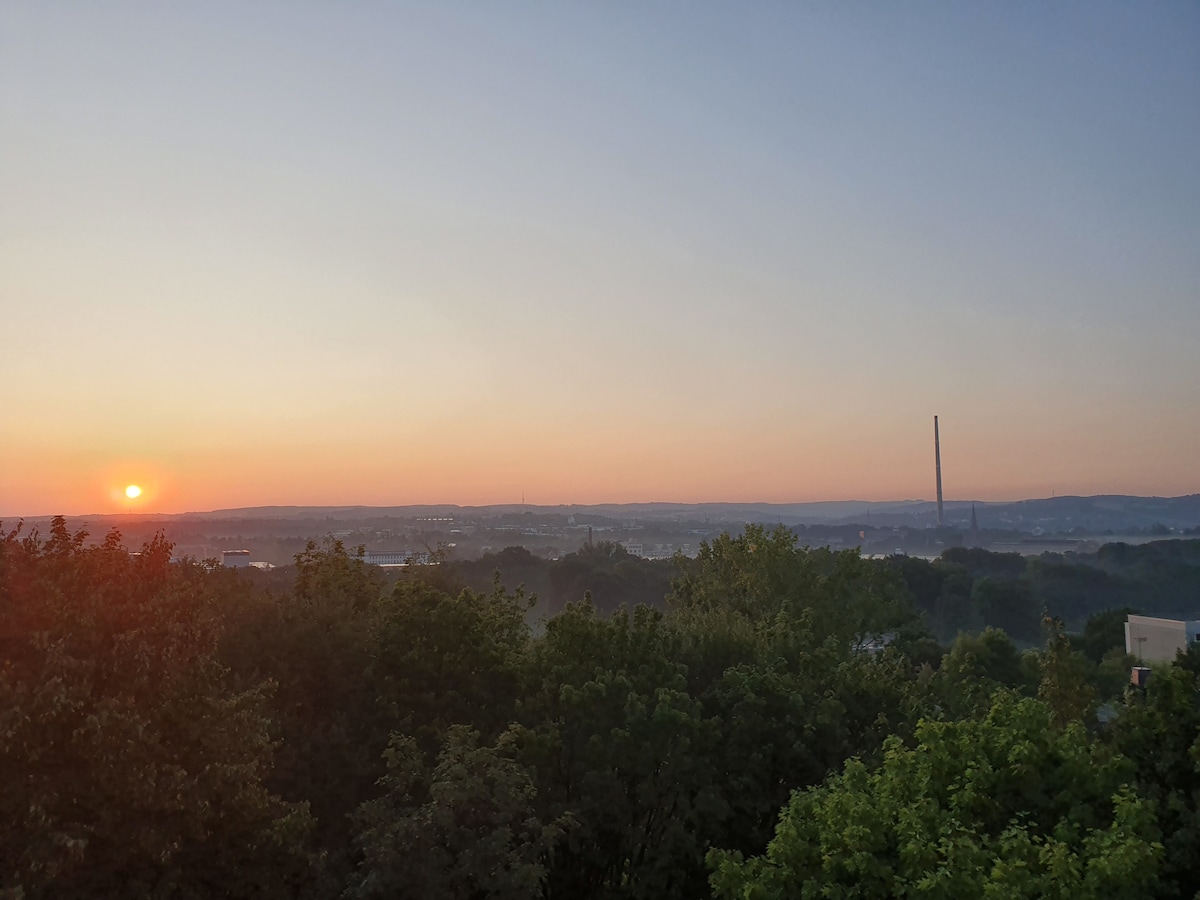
x: 963, y: 590
x: 609, y: 574
x: 971, y: 589
x: 780, y: 724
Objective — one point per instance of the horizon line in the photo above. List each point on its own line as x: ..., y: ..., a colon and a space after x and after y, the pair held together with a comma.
x: 552, y: 506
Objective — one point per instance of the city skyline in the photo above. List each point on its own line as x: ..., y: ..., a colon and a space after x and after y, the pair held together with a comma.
x: 381, y: 255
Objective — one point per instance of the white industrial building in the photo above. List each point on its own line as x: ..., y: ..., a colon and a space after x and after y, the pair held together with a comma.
x: 1158, y: 640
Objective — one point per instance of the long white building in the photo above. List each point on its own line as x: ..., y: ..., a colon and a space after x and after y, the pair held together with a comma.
x: 395, y: 557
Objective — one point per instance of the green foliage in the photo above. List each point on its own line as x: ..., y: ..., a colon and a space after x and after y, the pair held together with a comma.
x: 1110, y: 676
x: 1008, y: 591
x: 333, y: 579
x: 1103, y: 633
x: 463, y: 829
x: 611, y: 576
x: 352, y: 667
x: 1159, y: 729
x: 985, y: 563
x: 133, y: 768
x: 1075, y: 589
x: 976, y: 666
x: 923, y: 580
x: 1063, y: 682
x: 661, y: 734
x: 1007, y: 806
x: 621, y: 746
x: 441, y: 660
x: 158, y: 714
x: 1162, y: 578
x: 316, y: 643
x: 763, y: 576
x: 1009, y: 606
x: 605, y: 570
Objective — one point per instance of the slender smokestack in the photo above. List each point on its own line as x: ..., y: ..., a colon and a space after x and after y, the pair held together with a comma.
x: 937, y: 458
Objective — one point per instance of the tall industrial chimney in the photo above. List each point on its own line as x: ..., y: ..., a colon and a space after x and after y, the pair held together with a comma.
x: 937, y: 459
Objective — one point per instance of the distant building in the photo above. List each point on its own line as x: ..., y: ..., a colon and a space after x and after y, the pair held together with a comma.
x: 1158, y: 640
x: 972, y: 536
x: 235, y: 559
x: 394, y: 557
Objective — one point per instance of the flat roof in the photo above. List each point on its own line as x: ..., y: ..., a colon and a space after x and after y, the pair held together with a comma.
x: 1152, y: 620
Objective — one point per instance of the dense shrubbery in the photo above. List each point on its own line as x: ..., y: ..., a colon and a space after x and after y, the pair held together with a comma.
x: 170, y: 730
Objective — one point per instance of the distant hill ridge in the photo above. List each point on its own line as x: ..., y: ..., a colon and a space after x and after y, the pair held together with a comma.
x: 1095, y: 513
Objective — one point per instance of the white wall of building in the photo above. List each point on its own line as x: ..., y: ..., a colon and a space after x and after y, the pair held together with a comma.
x: 1158, y: 640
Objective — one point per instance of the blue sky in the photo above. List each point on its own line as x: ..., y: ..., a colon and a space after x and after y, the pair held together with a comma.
x: 382, y: 253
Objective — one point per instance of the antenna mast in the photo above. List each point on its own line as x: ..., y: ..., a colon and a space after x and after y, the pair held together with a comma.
x: 937, y: 459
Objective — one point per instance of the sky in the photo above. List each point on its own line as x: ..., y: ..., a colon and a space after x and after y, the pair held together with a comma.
x: 389, y: 253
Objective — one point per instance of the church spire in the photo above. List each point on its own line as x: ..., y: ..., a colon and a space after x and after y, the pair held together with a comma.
x: 973, y: 531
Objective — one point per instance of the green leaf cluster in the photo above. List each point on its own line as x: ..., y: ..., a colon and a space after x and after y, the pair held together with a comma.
x: 1008, y: 805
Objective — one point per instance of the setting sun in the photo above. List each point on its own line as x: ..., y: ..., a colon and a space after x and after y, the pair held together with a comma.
x: 133, y: 492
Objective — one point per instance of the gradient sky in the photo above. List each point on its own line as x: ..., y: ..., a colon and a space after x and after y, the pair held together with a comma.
x: 387, y: 253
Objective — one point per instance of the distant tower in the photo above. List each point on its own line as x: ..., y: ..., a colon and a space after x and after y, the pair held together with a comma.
x: 972, y: 539
x: 937, y: 460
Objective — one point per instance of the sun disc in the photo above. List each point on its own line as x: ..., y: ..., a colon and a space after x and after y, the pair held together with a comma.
x: 133, y: 492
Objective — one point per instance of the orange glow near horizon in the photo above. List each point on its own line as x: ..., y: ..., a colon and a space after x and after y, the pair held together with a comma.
x: 479, y: 455
x: 448, y: 296
x: 552, y: 465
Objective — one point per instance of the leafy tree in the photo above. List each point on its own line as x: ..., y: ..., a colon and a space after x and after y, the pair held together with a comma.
x: 1063, y: 683
x: 662, y: 734
x: 463, y: 829
x: 762, y: 575
x: 605, y: 570
x: 1103, y: 632
x: 317, y: 643
x: 611, y: 575
x: 1074, y: 589
x: 980, y: 562
x: 954, y: 610
x: 783, y: 727
x: 622, y: 747
x: 516, y: 565
x: 442, y: 660
x: 923, y: 580
x: 1158, y: 728
x: 1110, y: 676
x: 1006, y: 805
x: 353, y: 667
x: 335, y: 579
x: 778, y: 662
x: 133, y: 767
x: 1008, y: 605
x: 975, y: 667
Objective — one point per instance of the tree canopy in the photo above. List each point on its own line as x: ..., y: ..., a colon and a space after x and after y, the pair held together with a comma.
x: 132, y: 766
x: 780, y: 721
x: 1008, y: 805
